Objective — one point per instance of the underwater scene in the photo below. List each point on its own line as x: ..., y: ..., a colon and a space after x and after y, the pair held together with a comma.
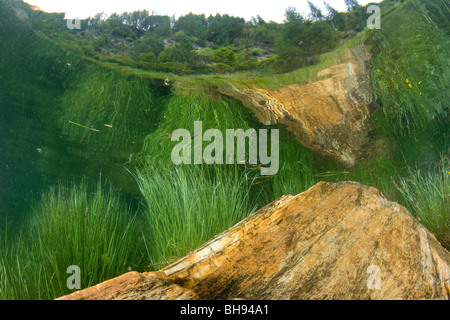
x: 130, y: 140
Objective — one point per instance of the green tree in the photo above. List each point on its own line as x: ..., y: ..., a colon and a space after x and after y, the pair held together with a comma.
x: 193, y: 25
x: 351, y: 4
x: 289, y: 47
x: 316, y: 13
x: 224, y: 29
x: 332, y: 12
x: 158, y: 24
x: 102, y: 42
x: 337, y: 18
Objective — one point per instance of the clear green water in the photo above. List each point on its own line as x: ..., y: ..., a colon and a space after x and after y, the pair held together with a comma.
x: 53, y: 207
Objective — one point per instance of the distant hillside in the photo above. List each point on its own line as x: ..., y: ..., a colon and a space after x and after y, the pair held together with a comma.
x: 199, y: 44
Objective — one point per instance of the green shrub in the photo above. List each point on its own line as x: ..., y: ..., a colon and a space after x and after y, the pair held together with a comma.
x: 225, y: 56
x: 125, y: 61
x: 224, y: 68
x: 181, y: 68
x: 247, y: 65
x: 88, y: 50
x: 148, y: 57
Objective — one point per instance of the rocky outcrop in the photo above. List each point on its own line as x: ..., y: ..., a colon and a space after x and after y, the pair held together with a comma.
x: 334, y: 241
x: 135, y: 286
x: 328, y: 116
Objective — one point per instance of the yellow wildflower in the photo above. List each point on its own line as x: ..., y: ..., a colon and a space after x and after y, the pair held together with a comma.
x: 407, y: 81
x: 410, y: 85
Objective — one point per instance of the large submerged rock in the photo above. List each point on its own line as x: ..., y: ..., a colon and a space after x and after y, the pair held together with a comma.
x: 135, y: 286
x: 328, y: 116
x: 334, y: 241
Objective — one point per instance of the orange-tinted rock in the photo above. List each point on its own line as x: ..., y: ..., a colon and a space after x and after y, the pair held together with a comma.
x: 334, y: 241
x: 134, y: 286
x: 328, y: 116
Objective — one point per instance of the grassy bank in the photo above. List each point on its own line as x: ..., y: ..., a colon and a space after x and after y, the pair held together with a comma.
x: 410, y: 71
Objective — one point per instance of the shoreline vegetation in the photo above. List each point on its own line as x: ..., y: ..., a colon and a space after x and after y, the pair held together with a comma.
x: 113, y: 92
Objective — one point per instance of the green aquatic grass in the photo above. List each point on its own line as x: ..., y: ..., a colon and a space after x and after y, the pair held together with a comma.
x: 71, y: 225
x: 410, y: 75
x: 426, y: 194
x: 296, y: 171
x: 215, y: 112
x: 222, y: 113
x: 188, y: 205
x: 410, y: 68
x: 378, y: 172
x: 424, y: 147
x: 112, y: 111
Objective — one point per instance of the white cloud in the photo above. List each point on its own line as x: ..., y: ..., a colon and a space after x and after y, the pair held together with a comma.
x: 268, y: 10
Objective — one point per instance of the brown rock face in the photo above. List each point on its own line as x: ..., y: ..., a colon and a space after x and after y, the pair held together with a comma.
x: 334, y: 241
x: 134, y: 286
x: 328, y: 116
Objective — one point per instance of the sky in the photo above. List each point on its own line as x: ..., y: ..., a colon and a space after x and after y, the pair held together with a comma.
x: 268, y: 10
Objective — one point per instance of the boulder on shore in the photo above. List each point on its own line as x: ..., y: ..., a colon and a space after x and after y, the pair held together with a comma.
x: 329, y: 116
x: 333, y: 241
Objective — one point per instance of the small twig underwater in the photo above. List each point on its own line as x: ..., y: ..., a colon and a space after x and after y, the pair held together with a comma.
x: 195, y: 134
x: 80, y: 125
